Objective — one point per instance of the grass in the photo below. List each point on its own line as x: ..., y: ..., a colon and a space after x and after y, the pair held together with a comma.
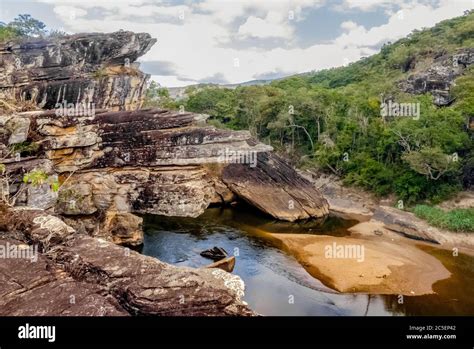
x: 460, y: 219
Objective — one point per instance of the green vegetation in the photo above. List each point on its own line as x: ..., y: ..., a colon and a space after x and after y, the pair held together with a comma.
x: 22, y: 26
x: 7, y: 33
x: 212, y: 100
x: 25, y: 148
x: 332, y: 119
x: 158, y: 97
x: 25, y: 26
x: 36, y: 177
x: 33, y: 178
x: 455, y: 220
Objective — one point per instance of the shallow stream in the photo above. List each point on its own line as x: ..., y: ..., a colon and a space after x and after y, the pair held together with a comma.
x: 276, y: 284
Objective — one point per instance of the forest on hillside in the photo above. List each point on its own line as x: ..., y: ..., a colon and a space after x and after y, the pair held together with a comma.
x: 331, y: 119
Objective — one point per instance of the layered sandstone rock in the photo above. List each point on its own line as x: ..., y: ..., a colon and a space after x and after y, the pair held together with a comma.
x: 112, y: 163
x: 85, y: 68
x: 152, y: 161
x: 275, y: 188
x: 76, y: 274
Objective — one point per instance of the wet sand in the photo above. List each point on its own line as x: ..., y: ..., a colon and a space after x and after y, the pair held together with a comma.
x: 276, y: 274
x: 387, y: 267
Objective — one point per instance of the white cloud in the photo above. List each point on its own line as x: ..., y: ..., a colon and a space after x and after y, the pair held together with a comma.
x: 369, y: 5
x: 400, y: 24
x: 193, y: 44
x: 274, y: 25
x: 349, y: 25
x: 227, y: 10
x: 101, y: 3
x: 69, y: 12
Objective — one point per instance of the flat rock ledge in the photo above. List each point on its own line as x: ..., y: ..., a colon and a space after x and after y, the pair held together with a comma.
x: 76, y: 274
x: 407, y: 224
x: 116, y: 164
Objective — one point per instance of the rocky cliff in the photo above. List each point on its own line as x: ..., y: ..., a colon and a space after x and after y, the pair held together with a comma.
x: 111, y: 160
x: 94, y: 69
x: 439, y: 77
x: 103, y: 161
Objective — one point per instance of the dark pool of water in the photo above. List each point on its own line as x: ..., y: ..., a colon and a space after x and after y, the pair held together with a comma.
x: 276, y: 284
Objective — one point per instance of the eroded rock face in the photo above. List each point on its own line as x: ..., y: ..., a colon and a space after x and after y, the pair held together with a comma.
x: 439, y: 78
x: 274, y: 187
x: 144, y: 138
x: 43, y: 289
x: 113, y: 163
x: 124, y: 227
x: 101, y: 277
x: 84, y: 68
x: 156, y: 162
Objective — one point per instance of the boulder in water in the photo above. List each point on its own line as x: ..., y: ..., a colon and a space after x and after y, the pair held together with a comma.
x: 215, y: 253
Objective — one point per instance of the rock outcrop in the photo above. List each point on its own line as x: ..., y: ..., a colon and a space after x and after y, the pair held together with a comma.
x: 75, y: 274
x: 439, y: 77
x: 116, y: 161
x: 94, y: 69
x: 407, y: 224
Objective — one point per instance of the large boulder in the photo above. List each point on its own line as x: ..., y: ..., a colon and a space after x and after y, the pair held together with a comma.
x: 275, y: 188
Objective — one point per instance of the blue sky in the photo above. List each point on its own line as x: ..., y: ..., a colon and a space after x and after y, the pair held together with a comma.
x: 229, y: 41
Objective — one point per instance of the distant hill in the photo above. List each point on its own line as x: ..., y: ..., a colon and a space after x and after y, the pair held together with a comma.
x: 337, y: 120
x: 179, y: 92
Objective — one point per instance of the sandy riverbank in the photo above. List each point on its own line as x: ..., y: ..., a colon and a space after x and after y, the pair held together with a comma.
x: 387, y: 267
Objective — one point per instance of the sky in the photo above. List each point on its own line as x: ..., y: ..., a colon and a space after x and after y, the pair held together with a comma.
x: 233, y: 41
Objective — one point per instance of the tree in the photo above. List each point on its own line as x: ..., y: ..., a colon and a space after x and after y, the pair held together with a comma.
x: 25, y: 25
x: 218, y: 102
x: 7, y: 32
x: 158, y: 97
x: 431, y: 162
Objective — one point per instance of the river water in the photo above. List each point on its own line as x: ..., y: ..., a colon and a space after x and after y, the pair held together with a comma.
x: 276, y: 284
